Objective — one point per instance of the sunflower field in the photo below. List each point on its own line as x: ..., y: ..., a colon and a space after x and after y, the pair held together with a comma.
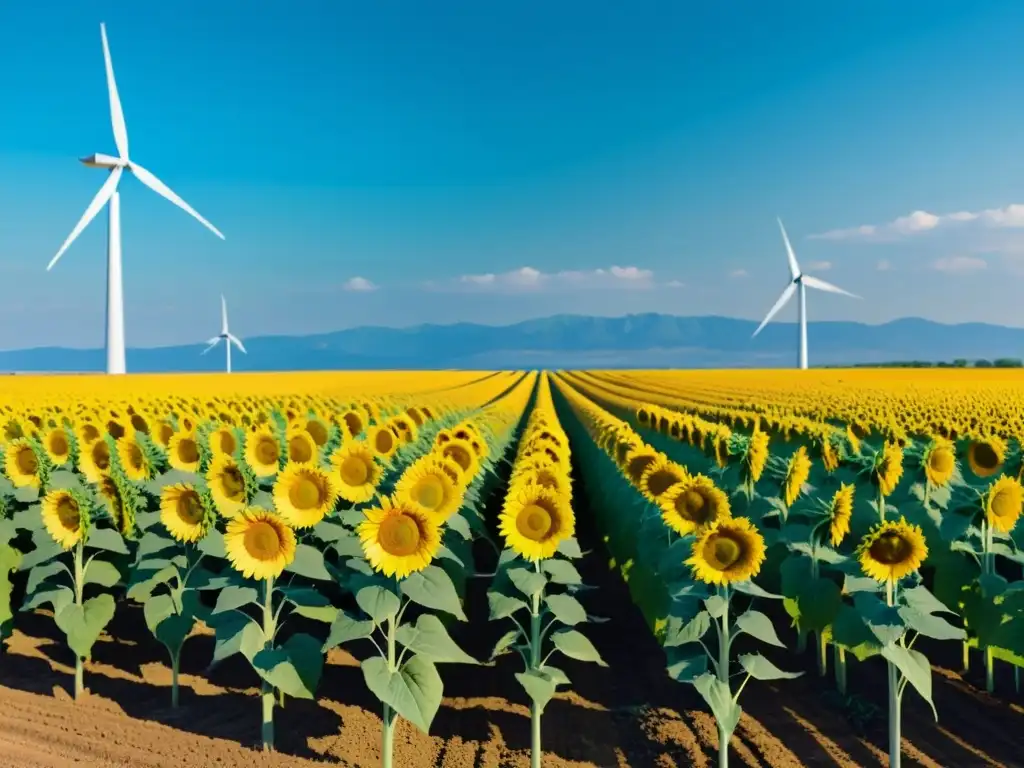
x: 757, y: 518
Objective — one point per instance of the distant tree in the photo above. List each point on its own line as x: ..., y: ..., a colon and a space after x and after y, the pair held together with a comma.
x: 982, y: 364
x: 960, y: 363
x: 1007, y: 362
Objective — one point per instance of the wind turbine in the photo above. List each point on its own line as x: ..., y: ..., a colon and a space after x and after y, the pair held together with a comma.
x: 109, y: 194
x: 225, y: 335
x: 799, y: 281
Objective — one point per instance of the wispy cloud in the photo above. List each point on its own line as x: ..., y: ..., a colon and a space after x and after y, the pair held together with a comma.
x: 532, y: 279
x: 819, y: 266
x: 359, y: 284
x: 959, y: 264
x: 922, y: 222
x: 883, y: 265
x: 738, y: 273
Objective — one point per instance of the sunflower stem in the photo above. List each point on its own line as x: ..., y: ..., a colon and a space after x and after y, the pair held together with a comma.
x: 387, y: 747
x: 267, y: 730
x: 967, y: 656
x: 988, y: 568
x: 723, y: 677
x: 175, y: 666
x: 536, y: 749
x: 839, y: 654
x: 822, y: 654
x: 881, y: 504
x: 894, y: 695
x: 79, y: 595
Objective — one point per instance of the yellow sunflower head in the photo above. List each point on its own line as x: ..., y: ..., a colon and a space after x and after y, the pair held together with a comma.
x: 797, y: 473
x: 1003, y: 501
x: 183, y: 450
x: 892, y: 550
x: 462, y: 453
x: 319, y: 429
x: 729, y: 550
x: 65, y: 516
x: 133, y: 458
x: 427, y: 485
x: 383, y: 441
x: 259, y: 544
x: 22, y: 463
x: 223, y: 441
x: 534, y: 521
x: 830, y: 456
x: 230, y: 485
x: 985, y: 456
x: 355, y: 471
x: 399, y: 538
x: 185, y: 513
x: 263, y: 451
x: 840, y: 510
x: 304, y: 494
x: 757, y: 455
x: 57, y: 444
x: 161, y: 432
x: 302, y: 448
x: 637, y: 461
x: 87, y: 432
x: 939, y: 462
x: 692, y: 504
x: 659, y: 476
x: 888, y: 468
x: 352, y: 422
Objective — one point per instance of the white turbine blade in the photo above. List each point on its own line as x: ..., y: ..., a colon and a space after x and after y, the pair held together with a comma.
x: 105, y: 193
x: 212, y: 342
x: 786, y: 296
x: 794, y: 268
x: 223, y: 315
x: 821, y: 285
x: 116, y: 114
x: 163, y: 190
x: 237, y: 343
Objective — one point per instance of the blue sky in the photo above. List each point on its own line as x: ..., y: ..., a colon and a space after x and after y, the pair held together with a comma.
x: 521, y: 146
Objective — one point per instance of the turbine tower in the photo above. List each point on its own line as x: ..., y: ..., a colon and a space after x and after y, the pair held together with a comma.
x: 799, y: 282
x: 225, y: 335
x: 109, y: 194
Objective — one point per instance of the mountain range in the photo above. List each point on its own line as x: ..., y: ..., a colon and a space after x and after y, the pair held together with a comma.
x: 563, y: 341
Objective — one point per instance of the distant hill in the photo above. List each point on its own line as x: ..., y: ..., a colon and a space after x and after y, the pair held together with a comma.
x: 565, y: 341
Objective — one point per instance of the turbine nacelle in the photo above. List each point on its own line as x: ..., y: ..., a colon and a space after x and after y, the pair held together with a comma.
x: 103, y: 161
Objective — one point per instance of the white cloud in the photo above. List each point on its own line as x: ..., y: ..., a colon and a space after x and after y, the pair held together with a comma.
x: 738, y: 273
x: 675, y: 284
x: 884, y: 265
x: 819, y: 266
x: 532, y: 279
x: 922, y: 222
x: 359, y: 284
x: 959, y: 264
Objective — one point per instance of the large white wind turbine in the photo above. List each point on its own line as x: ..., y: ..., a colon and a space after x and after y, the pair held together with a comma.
x: 225, y: 335
x: 799, y: 282
x: 108, y: 194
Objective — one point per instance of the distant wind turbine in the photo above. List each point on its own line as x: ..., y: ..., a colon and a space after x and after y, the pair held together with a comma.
x: 108, y: 194
x: 799, y: 281
x: 225, y: 335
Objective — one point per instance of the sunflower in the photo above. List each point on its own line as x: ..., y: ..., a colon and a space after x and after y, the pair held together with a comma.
x: 356, y: 471
x: 263, y: 452
x: 727, y: 551
x: 892, y: 550
x: 259, y: 544
x: 22, y: 463
x: 185, y: 513
x: 319, y: 429
x: 353, y: 422
x: 543, y: 476
x: 462, y: 453
x: 183, y: 451
x: 939, y: 462
x: 830, y: 456
x: 985, y: 457
x: 383, y: 441
x: 888, y: 468
x: 302, y: 448
x: 840, y: 510
x: 637, y: 460
x: 427, y: 485
x: 659, y: 476
x: 110, y: 493
x: 534, y: 521
x: 57, y: 444
x: 65, y: 516
x: 1003, y: 502
x: 304, y: 494
x: 797, y: 473
x: 87, y: 433
x: 692, y: 504
x: 223, y: 441
x: 133, y: 459
x: 230, y: 488
x: 162, y: 433
x: 398, y: 538
x: 757, y: 455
